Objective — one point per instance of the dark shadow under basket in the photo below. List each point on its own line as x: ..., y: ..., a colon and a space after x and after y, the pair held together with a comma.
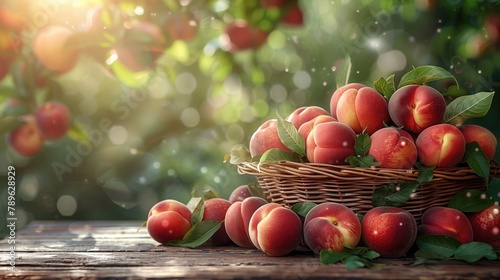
x: 288, y: 183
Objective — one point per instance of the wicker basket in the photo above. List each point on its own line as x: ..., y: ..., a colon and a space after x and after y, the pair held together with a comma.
x: 288, y: 183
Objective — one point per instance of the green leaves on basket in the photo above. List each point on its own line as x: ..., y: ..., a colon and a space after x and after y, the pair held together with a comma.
x: 440, y: 247
x: 352, y: 258
x: 290, y: 137
x: 468, y: 106
x: 361, y: 148
x: 302, y: 208
x: 477, y: 161
x: 471, y: 201
x: 275, y: 155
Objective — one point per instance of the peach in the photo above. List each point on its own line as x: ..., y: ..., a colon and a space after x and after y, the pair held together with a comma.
x: 240, y: 193
x: 391, y: 231
x: 486, y: 225
x: 484, y: 137
x: 238, y: 218
x: 275, y: 230
x: 440, y: 145
x: 215, y: 210
x: 266, y: 138
x: 451, y: 222
x: 330, y: 142
x: 304, y: 114
x: 293, y: 16
x: 416, y: 107
x: 168, y: 220
x: 240, y: 35
x: 393, y: 148
x: 306, y: 127
x: 363, y: 109
x: 26, y: 140
x: 334, y: 100
x: 331, y: 226
x: 53, y: 119
x: 49, y: 47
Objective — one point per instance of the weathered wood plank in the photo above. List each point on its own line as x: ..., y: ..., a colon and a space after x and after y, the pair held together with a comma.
x: 115, y: 249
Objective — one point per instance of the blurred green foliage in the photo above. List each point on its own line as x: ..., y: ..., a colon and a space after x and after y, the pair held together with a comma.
x: 158, y: 134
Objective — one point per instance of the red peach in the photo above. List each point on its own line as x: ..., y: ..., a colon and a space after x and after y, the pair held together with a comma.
x: 416, y: 107
x: 266, y: 138
x: 240, y: 193
x: 215, y: 210
x: 306, y: 127
x: 363, y: 109
x: 26, y: 140
x: 240, y: 35
x: 485, y: 138
x: 393, y: 148
x: 334, y: 100
x: 486, y: 225
x: 330, y: 142
x: 49, y: 47
x: 168, y: 220
x: 53, y: 119
x: 440, y: 145
x: 275, y: 230
x: 238, y: 217
x: 331, y: 226
x: 390, y: 231
x: 451, y: 222
x: 304, y: 114
x: 293, y: 15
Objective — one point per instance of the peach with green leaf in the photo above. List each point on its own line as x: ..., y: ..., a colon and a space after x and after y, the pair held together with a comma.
x: 265, y: 138
x: 484, y: 138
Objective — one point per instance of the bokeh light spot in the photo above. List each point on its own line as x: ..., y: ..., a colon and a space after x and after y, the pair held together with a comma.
x: 66, y: 205
x: 190, y: 117
x: 118, y: 135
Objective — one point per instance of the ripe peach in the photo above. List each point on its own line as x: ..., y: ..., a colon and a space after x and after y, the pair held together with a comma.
x: 306, y: 127
x: 168, y: 220
x: 486, y: 225
x: 440, y: 145
x: 393, y: 148
x: 390, y: 231
x: 304, y: 114
x: 265, y: 138
x: 363, y: 109
x: 331, y: 226
x: 330, y: 142
x: 240, y: 193
x: 26, y: 140
x: 275, y: 230
x: 53, y: 119
x: 49, y: 47
x: 416, y: 107
x: 451, y: 222
x: 294, y: 15
x: 215, y: 210
x: 334, y: 100
x: 485, y: 138
x: 240, y: 35
x: 238, y: 217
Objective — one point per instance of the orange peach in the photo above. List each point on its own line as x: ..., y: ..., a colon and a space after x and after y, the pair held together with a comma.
x: 363, y: 109
x: 334, y: 100
x: 440, y: 145
x: 304, y: 114
x: 306, y: 127
x: 50, y: 48
x: 393, y: 148
x: 266, y: 138
x: 451, y: 222
x: 330, y: 142
x: 275, y: 230
x: 168, y: 220
x: 238, y: 218
x: 416, y: 107
x: 331, y: 226
x: 484, y: 137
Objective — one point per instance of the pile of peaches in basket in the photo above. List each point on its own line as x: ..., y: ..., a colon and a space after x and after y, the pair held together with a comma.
x: 408, y: 126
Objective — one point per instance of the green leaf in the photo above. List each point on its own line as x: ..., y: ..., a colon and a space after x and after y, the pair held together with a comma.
x: 440, y: 245
x: 290, y: 137
x: 353, y: 262
x: 471, y: 201
x: 330, y: 257
x: 467, y: 107
x: 425, y: 174
x: 8, y: 91
x: 362, y: 144
x: 393, y: 194
x: 198, y: 234
x: 256, y: 190
x: 454, y: 91
x: 239, y: 154
x: 362, y: 161
x: 9, y: 123
x: 78, y: 133
x: 422, y: 257
x: 302, y: 208
x: 474, y: 251
x: 344, y: 72
x: 275, y: 155
x: 425, y: 74
x: 477, y: 161
x: 385, y: 87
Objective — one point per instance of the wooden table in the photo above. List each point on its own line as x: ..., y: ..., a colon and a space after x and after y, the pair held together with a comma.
x: 119, y: 249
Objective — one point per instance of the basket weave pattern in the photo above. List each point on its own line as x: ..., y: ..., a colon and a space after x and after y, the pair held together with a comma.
x: 287, y: 183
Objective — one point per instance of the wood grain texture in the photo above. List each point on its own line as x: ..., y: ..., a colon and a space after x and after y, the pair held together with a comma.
x: 119, y: 249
